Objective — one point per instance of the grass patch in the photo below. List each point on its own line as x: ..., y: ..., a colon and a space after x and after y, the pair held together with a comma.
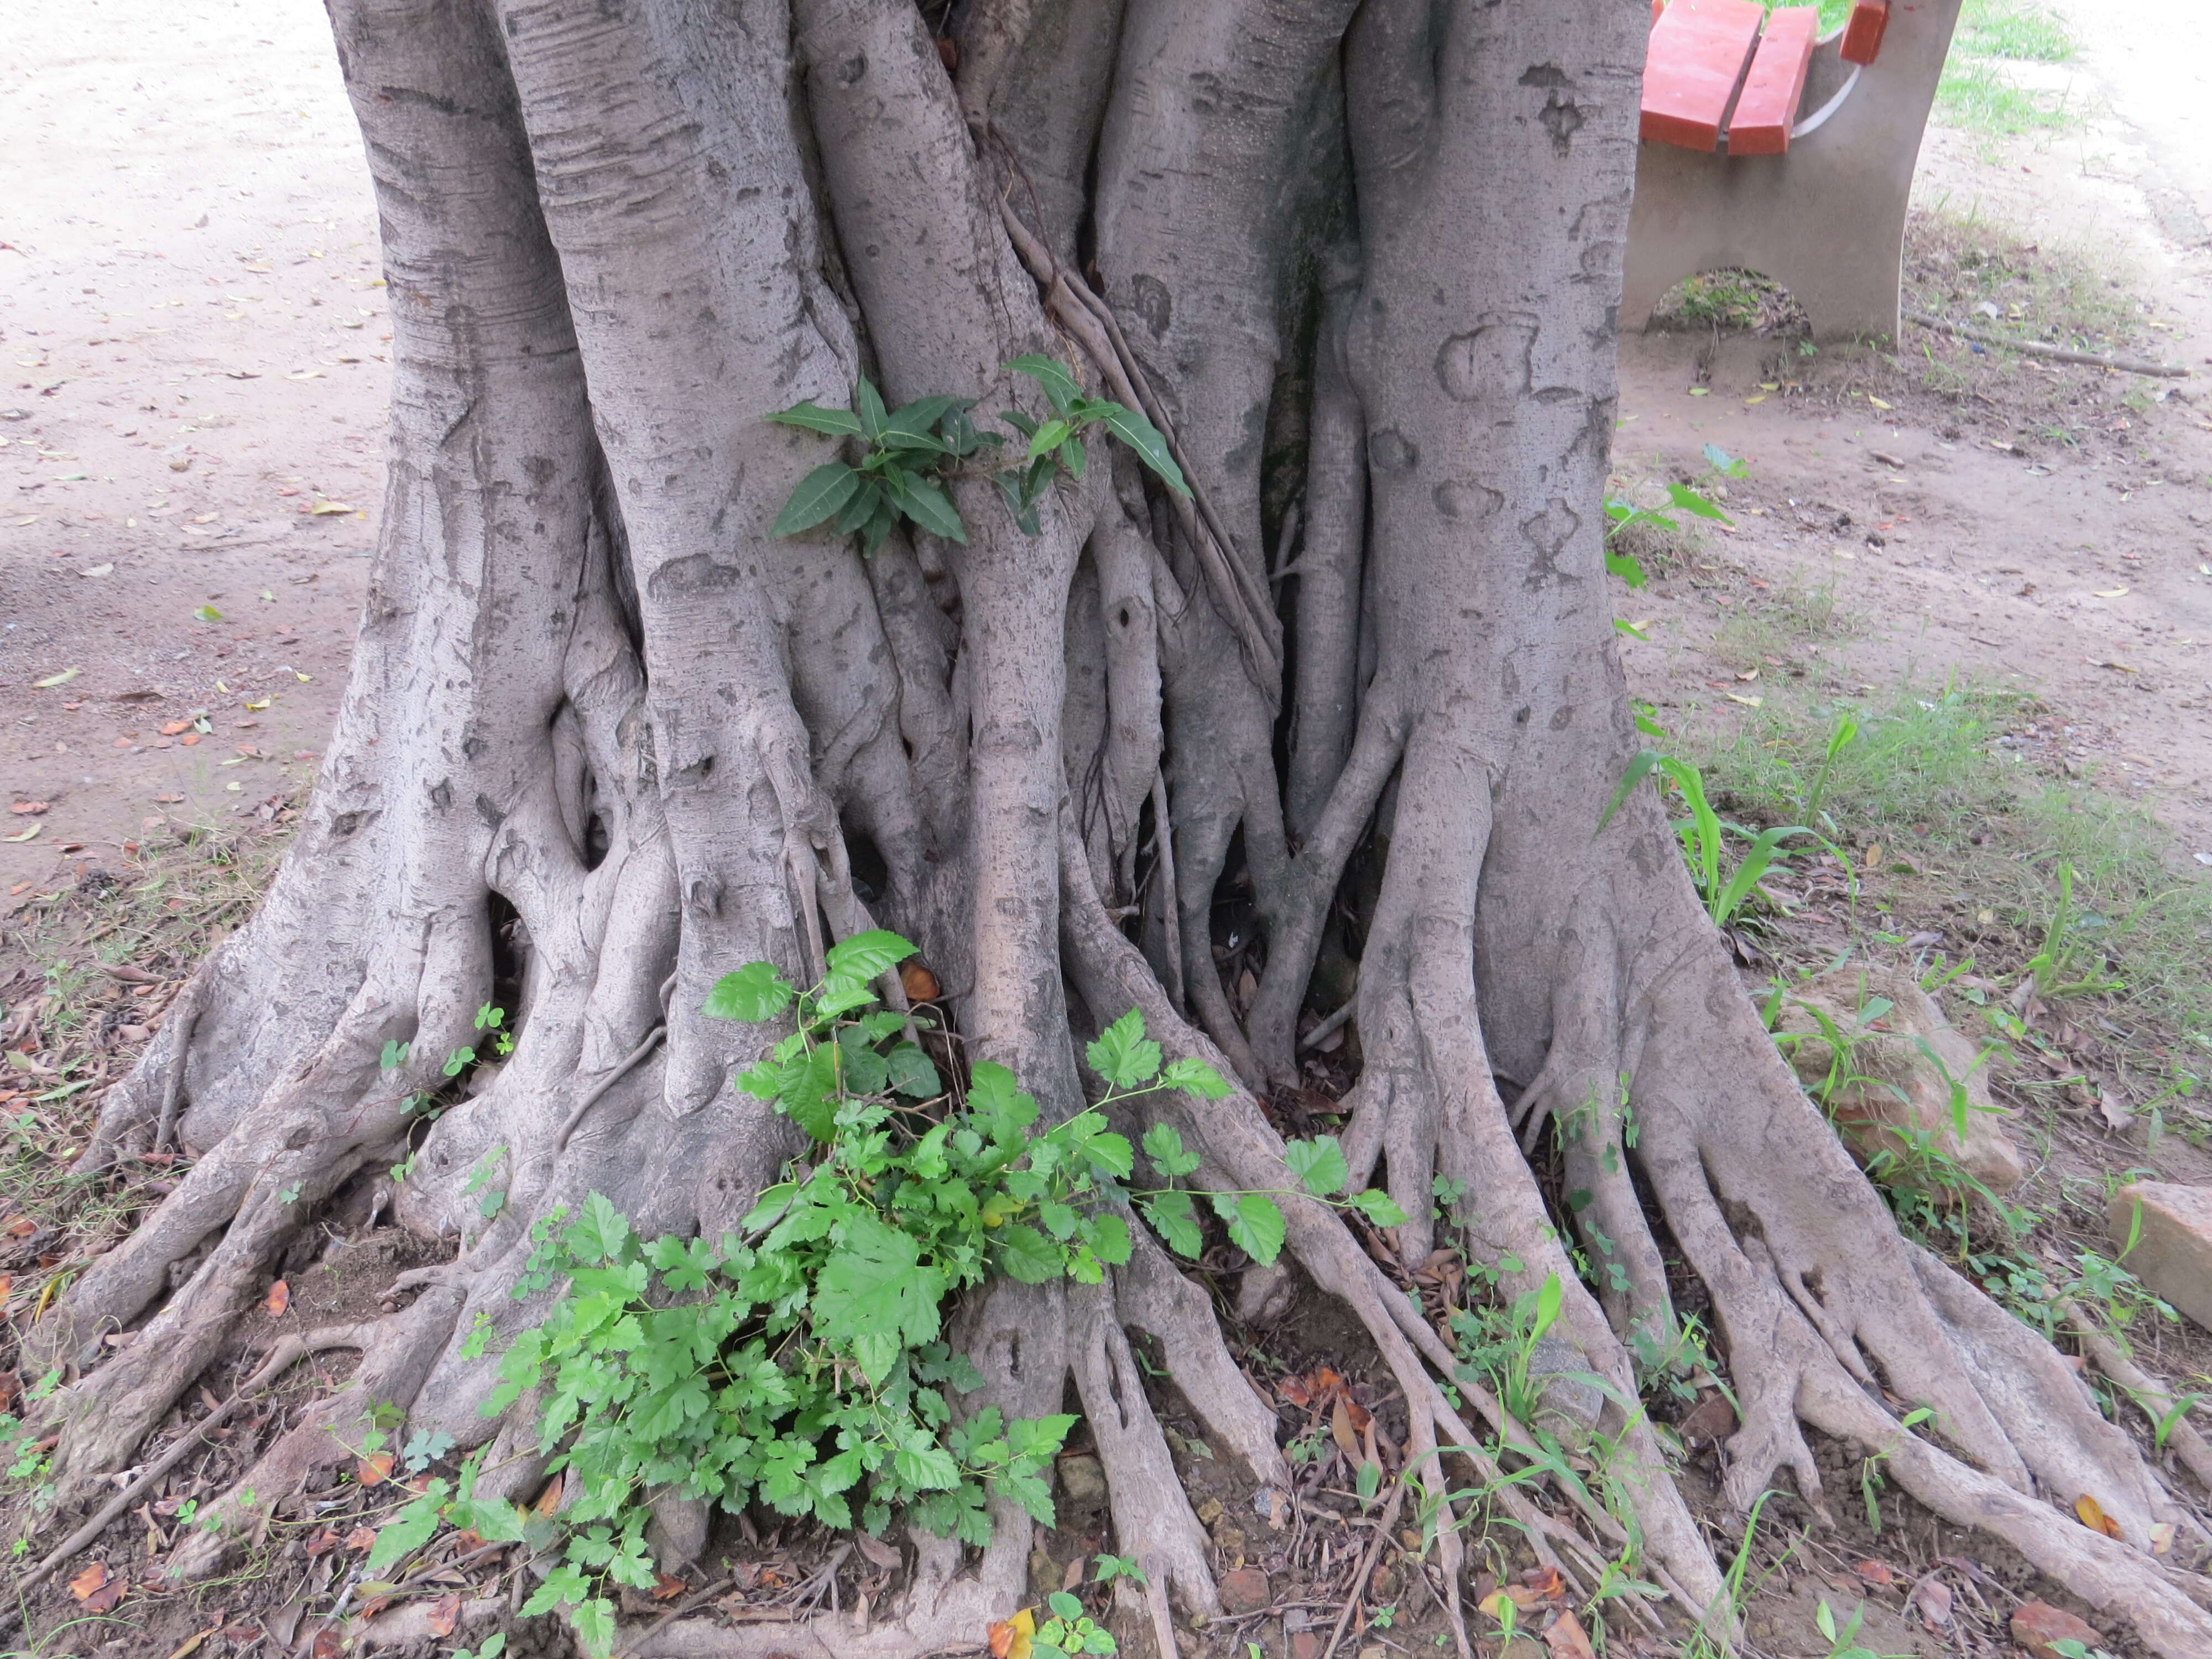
x: 88, y: 972
x: 1980, y: 93
x: 1745, y: 301
x: 1949, y: 778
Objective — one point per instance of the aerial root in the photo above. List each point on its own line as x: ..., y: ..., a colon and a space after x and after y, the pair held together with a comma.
x: 1152, y: 1518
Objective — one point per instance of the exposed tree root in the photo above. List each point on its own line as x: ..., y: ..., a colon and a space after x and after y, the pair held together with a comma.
x: 608, y: 739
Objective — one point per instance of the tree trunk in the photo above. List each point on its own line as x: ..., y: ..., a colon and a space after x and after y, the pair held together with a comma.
x: 607, y: 739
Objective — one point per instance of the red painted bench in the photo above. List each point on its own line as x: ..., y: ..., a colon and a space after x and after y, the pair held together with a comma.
x: 1774, y: 151
x: 1728, y: 70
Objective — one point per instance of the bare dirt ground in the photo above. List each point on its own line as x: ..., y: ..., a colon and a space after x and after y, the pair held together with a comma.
x: 193, y: 381
x: 193, y: 326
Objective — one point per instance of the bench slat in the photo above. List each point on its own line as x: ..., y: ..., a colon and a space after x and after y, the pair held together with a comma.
x: 1863, y: 34
x: 1768, y: 106
x: 1699, y: 51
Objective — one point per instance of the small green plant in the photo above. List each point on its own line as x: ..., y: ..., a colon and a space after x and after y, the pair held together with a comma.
x: 1624, y: 518
x: 1870, y: 1472
x: 909, y: 454
x: 1704, y: 835
x: 1107, y: 1568
x: 1843, y: 1640
x: 2070, y: 964
x: 1069, y: 1631
x: 799, y: 1360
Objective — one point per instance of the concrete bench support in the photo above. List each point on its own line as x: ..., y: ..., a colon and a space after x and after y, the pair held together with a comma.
x: 1826, y: 219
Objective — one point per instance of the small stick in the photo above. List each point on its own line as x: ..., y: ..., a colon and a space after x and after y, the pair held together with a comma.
x: 1367, y: 1564
x: 286, y: 1354
x: 2055, y: 354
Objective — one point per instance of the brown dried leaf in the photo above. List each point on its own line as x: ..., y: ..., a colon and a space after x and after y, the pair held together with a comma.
x: 2093, y: 1516
x: 667, y: 1586
x: 1341, y: 1430
x: 1566, y: 1640
x: 445, y: 1613
x: 89, y: 1581
x: 361, y: 1539
x: 1933, y: 1598
x: 321, y: 1543
x: 1878, y: 1574
x: 327, y: 1643
x: 279, y: 1299
x: 883, y: 1555
x: 373, y: 1471
x: 548, y: 1501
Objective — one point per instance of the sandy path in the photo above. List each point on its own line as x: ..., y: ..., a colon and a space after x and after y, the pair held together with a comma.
x: 186, y: 208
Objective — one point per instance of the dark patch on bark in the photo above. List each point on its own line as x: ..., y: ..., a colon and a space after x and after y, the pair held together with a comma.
x: 441, y: 794
x: 1549, y: 533
x: 1391, y: 451
x: 694, y: 572
x: 1545, y: 75
x: 1462, y: 498
x: 1154, y: 304
x: 852, y: 69
x: 1492, y: 359
x: 1563, y: 120
x: 492, y: 817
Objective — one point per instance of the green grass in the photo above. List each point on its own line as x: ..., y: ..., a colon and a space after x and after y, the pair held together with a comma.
x: 1980, y: 94
x: 1928, y: 779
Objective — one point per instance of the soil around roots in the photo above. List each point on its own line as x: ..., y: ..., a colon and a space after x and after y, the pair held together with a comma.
x: 1339, y: 725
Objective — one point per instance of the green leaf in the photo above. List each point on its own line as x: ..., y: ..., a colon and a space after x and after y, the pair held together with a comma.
x: 1075, y: 456
x: 1255, y: 1225
x: 1019, y: 421
x: 1141, y: 436
x: 880, y: 523
x: 837, y: 423
x: 408, y: 1530
x: 1629, y: 569
x: 1319, y: 1164
x: 809, y: 1095
x: 876, y: 1285
x: 1163, y: 1146
x: 1049, y: 437
x: 1547, y: 1306
x: 856, y: 514
x: 869, y: 403
x: 1378, y: 1206
x: 1020, y: 506
x: 820, y: 493
x: 1195, y: 1076
x: 599, y: 1234
x: 1059, y: 387
x: 1122, y: 1054
x: 1691, y: 501
x: 864, y: 956
x: 1064, y: 1605
x: 755, y: 992
x: 928, y: 506
x: 1639, y: 768
x: 594, y: 1624
x: 995, y: 1096
x: 1027, y: 1254
x: 1175, y: 1218
x: 1107, y: 1235
x: 911, y: 1074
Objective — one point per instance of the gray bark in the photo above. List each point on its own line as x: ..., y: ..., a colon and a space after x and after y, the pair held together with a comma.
x: 593, y: 691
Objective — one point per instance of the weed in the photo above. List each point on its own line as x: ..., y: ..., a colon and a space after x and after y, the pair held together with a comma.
x: 1704, y: 835
x: 1980, y: 94
x: 800, y: 1361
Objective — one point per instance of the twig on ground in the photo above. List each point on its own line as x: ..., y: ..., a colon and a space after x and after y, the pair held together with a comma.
x: 689, y: 1604
x: 1366, y: 1568
x: 2055, y: 354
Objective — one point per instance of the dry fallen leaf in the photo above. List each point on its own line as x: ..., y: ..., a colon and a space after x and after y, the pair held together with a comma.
x: 883, y: 1555
x: 362, y: 1540
x: 21, y: 1227
x: 2161, y: 1536
x: 96, y: 1590
x: 445, y: 1611
x: 53, y: 680
x: 30, y: 833
x: 279, y: 1299
x: 1933, y: 1598
x: 548, y: 1501
x: 30, y: 808
x: 2093, y: 1516
x: 1012, y: 1638
x: 2108, y: 592
x: 1566, y: 1640
x: 1876, y: 1573
x: 374, y: 1471
x: 321, y: 507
